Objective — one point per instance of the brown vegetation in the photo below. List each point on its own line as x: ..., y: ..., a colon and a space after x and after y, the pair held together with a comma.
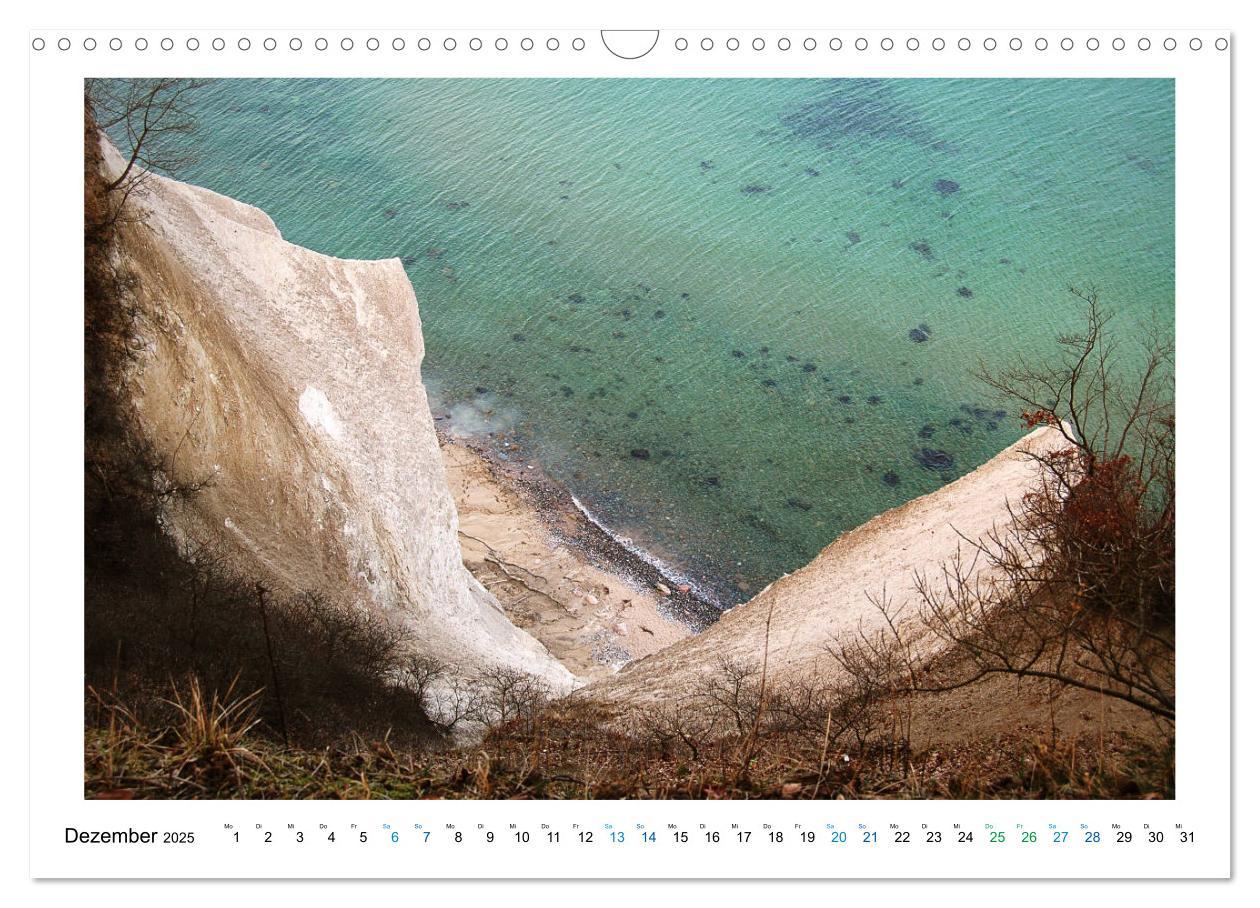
x: 578, y: 748
x: 1079, y: 586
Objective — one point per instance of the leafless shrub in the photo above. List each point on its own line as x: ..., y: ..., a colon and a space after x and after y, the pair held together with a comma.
x: 692, y: 722
x: 733, y: 688
x: 448, y: 700
x: 501, y: 695
x: 452, y: 705
x: 1078, y: 586
x: 1102, y: 523
x: 422, y: 675
x: 365, y: 638
x: 151, y: 121
x: 205, y: 581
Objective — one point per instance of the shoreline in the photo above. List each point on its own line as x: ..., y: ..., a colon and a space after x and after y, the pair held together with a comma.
x: 589, y: 597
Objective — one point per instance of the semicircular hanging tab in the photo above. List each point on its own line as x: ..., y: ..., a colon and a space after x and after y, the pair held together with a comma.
x: 630, y: 44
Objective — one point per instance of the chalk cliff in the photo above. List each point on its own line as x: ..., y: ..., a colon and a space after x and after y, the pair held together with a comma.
x: 287, y: 384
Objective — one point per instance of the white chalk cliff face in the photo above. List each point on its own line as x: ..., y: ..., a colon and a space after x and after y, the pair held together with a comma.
x: 290, y: 381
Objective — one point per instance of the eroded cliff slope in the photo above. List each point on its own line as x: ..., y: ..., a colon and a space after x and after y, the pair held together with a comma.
x: 284, y: 386
x: 792, y: 624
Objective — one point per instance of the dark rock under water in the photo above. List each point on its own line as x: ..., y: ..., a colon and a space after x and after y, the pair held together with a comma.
x: 864, y: 108
x: 934, y: 459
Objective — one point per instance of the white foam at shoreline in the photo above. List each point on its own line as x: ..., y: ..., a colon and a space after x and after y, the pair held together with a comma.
x: 699, y: 590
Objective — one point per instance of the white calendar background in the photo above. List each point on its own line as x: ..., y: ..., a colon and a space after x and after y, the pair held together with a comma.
x: 1188, y: 837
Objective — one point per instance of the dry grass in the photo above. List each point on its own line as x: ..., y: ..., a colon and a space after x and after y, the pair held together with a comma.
x: 204, y: 746
x: 213, y: 748
x: 212, y: 728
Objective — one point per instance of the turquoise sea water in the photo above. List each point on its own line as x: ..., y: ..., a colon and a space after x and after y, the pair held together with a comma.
x: 734, y: 317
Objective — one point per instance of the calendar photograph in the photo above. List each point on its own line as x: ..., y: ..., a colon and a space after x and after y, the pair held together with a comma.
x: 699, y: 438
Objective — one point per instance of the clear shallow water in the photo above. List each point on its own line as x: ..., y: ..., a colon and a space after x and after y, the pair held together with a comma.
x: 734, y: 318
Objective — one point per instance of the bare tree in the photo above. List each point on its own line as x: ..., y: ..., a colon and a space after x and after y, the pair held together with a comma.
x: 872, y: 684
x: 692, y: 721
x: 362, y: 637
x: 1085, y: 396
x: 1078, y: 586
x: 422, y: 675
x: 447, y: 699
x: 734, y: 689
x: 502, y: 694
x: 150, y: 119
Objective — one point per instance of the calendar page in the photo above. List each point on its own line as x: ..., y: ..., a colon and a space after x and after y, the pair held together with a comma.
x: 557, y: 451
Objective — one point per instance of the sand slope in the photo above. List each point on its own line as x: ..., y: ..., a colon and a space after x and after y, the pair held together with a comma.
x: 589, y: 616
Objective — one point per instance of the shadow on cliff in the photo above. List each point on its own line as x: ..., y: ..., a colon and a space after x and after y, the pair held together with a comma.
x: 160, y: 616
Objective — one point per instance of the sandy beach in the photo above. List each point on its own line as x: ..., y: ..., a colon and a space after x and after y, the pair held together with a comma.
x: 533, y: 550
